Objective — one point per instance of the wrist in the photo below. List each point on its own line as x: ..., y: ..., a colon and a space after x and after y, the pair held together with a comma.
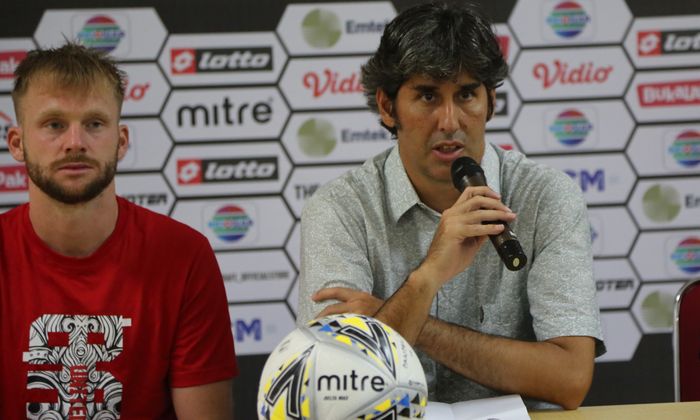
x: 424, y: 282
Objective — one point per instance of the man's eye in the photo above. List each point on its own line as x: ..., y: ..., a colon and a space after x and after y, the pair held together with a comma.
x: 428, y: 97
x: 54, y: 125
x: 95, y: 124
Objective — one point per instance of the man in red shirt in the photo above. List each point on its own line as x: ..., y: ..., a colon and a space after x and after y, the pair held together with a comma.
x: 107, y: 310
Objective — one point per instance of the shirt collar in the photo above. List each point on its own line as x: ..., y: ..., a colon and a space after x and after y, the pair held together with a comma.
x: 401, y: 194
x: 492, y: 167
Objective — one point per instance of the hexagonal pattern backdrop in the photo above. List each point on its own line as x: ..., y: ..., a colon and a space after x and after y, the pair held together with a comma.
x: 239, y: 111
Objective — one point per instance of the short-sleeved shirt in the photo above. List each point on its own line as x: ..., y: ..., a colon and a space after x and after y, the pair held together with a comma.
x: 109, y: 335
x: 368, y: 230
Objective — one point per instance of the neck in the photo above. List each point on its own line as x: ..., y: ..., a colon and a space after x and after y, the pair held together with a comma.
x: 438, y: 198
x: 73, y: 230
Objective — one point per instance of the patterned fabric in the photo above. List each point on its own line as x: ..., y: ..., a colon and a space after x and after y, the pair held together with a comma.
x: 107, y: 336
x: 368, y: 230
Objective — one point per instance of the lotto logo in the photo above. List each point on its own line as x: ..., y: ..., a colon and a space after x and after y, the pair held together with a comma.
x: 649, y: 43
x: 226, y: 170
x: 183, y: 61
x: 190, y: 60
x: 189, y: 171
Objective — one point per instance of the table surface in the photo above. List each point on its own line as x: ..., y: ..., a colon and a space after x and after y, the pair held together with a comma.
x: 662, y: 411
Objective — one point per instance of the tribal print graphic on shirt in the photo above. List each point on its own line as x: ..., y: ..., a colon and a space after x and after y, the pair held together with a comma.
x: 68, y: 366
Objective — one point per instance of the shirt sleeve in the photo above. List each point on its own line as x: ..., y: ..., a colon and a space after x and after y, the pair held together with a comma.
x: 333, y: 252
x: 561, y: 287
x: 203, y: 351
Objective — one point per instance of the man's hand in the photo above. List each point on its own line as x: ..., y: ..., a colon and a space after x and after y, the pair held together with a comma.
x: 351, y: 300
x: 461, y: 233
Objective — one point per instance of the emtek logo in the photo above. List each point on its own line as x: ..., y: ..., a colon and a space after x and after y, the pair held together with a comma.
x: 652, y: 43
x: 321, y: 28
x: 661, y: 203
x: 588, y: 180
x: 317, y: 137
x: 192, y: 60
x: 200, y: 171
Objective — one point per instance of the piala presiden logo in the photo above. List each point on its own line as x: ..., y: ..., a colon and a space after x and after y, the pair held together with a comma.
x: 317, y: 137
x: 661, y: 203
x: 321, y: 28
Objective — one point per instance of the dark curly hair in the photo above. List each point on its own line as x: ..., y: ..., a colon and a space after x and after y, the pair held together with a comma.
x: 438, y: 40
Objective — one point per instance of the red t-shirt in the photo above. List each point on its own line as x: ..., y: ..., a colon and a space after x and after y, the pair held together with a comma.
x: 112, y: 332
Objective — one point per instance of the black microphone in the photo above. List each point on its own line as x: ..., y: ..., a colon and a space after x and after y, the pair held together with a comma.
x: 465, y: 173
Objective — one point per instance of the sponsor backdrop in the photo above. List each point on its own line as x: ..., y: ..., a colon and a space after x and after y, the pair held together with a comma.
x: 239, y: 111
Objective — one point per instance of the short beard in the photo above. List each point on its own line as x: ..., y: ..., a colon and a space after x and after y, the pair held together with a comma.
x: 64, y: 195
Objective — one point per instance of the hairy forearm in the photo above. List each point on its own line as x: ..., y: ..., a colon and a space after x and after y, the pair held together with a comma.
x: 558, y: 371
x: 407, y: 310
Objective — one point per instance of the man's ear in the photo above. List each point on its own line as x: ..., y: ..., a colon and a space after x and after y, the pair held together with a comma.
x: 14, y: 143
x: 123, y: 145
x: 492, y: 98
x: 386, y: 108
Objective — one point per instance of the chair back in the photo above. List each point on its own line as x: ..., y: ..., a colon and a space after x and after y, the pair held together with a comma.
x: 686, y: 342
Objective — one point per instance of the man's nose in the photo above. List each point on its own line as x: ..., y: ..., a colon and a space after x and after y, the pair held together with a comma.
x: 74, y: 138
x: 448, y: 117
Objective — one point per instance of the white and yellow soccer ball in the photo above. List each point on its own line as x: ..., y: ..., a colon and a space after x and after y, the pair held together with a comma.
x: 342, y: 367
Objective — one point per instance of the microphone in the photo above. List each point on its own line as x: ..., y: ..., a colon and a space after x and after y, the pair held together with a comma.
x: 465, y: 173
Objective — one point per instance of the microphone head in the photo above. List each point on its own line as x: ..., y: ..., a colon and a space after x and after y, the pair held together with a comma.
x: 462, y: 167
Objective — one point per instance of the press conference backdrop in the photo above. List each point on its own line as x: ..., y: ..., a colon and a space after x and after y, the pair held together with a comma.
x: 240, y: 110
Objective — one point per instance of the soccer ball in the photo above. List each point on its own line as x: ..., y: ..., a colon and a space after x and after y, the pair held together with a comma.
x: 342, y: 367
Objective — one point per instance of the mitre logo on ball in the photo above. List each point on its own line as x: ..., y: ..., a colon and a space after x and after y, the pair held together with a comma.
x: 344, y: 366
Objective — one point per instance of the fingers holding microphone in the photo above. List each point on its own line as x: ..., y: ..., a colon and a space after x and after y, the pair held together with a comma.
x: 463, y: 228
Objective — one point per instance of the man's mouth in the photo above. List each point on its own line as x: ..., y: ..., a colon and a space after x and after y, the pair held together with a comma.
x: 447, y: 152
x: 448, y: 148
